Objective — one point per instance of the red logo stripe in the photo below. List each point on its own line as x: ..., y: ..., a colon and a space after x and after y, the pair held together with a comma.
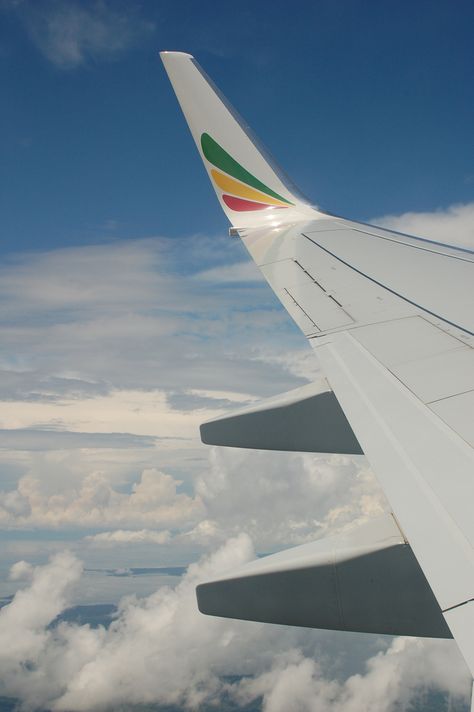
x: 241, y: 205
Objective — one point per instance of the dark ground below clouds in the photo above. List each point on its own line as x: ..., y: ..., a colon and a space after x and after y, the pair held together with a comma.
x: 103, y: 614
x: 432, y: 702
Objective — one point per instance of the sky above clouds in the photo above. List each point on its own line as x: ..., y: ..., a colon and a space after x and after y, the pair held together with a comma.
x: 128, y: 317
x: 368, y: 106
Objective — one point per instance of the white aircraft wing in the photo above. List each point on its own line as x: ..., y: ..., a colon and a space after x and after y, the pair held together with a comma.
x: 391, y: 320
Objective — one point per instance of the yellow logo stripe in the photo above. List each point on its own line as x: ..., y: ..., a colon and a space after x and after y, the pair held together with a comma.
x: 229, y: 185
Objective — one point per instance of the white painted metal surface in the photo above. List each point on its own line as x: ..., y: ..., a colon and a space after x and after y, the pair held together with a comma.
x: 391, y: 318
x: 366, y: 579
x: 207, y: 112
x: 306, y: 419
x: 458, y: 413
x: 424, y: 467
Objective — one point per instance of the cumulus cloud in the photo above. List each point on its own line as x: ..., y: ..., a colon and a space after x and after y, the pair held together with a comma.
x: 294, y: 498
x: 154, y: 500
x: 283, y: 498
x: 453, y: 225
x: 21, y: 570
x: 393, y: 679
x: 160, y: 650
x: 70, y: 33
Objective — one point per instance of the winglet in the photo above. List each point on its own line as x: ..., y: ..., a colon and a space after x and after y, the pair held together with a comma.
x: 251, y: 189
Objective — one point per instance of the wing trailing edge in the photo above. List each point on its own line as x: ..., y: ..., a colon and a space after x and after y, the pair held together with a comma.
x: 306, y: 419
x: 366, y: 580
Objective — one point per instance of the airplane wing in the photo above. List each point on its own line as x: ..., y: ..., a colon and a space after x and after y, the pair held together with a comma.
x: 391, y: 320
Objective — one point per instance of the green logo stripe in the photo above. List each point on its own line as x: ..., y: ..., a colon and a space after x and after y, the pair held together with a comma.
x: 221, y: 159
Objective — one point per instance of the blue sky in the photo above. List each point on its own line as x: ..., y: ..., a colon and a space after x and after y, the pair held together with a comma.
x: 128, y: 317
x: 368, y: 106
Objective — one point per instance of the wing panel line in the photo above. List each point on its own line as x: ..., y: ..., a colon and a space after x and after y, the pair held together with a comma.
x: 413, y: 247
x: 389, y: 289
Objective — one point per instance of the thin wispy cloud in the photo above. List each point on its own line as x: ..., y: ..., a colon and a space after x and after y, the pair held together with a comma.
x: 454, y: 225
x: 70, y: 33
x: 130, y: 314
x: 240, y: 272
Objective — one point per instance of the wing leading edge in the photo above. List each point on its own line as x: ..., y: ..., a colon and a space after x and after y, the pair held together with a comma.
x: 391, y: 320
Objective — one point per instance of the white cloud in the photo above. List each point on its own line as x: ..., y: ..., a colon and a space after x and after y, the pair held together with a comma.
x: 127, y: 536
x: 81, y: 321
x: 231, y: 396
x: 160, y: 649
x: 282, y: 498
x: 294, y: 498
x: 121, y: 339
x: 120, y: 411
x: 21, y: 570
x: 70, y: 33
x: 94, y: 503
x: 453, y: 225
x: 23, y: 623
x: 239, y: 272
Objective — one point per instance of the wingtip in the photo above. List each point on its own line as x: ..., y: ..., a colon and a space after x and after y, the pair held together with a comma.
x: 164, y: 54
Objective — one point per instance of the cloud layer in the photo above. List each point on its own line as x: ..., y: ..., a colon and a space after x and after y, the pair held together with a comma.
x: 128, y: 345
x: 159, y: 649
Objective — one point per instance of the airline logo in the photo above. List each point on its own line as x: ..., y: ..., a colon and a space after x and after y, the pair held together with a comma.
x: 241, y: 191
